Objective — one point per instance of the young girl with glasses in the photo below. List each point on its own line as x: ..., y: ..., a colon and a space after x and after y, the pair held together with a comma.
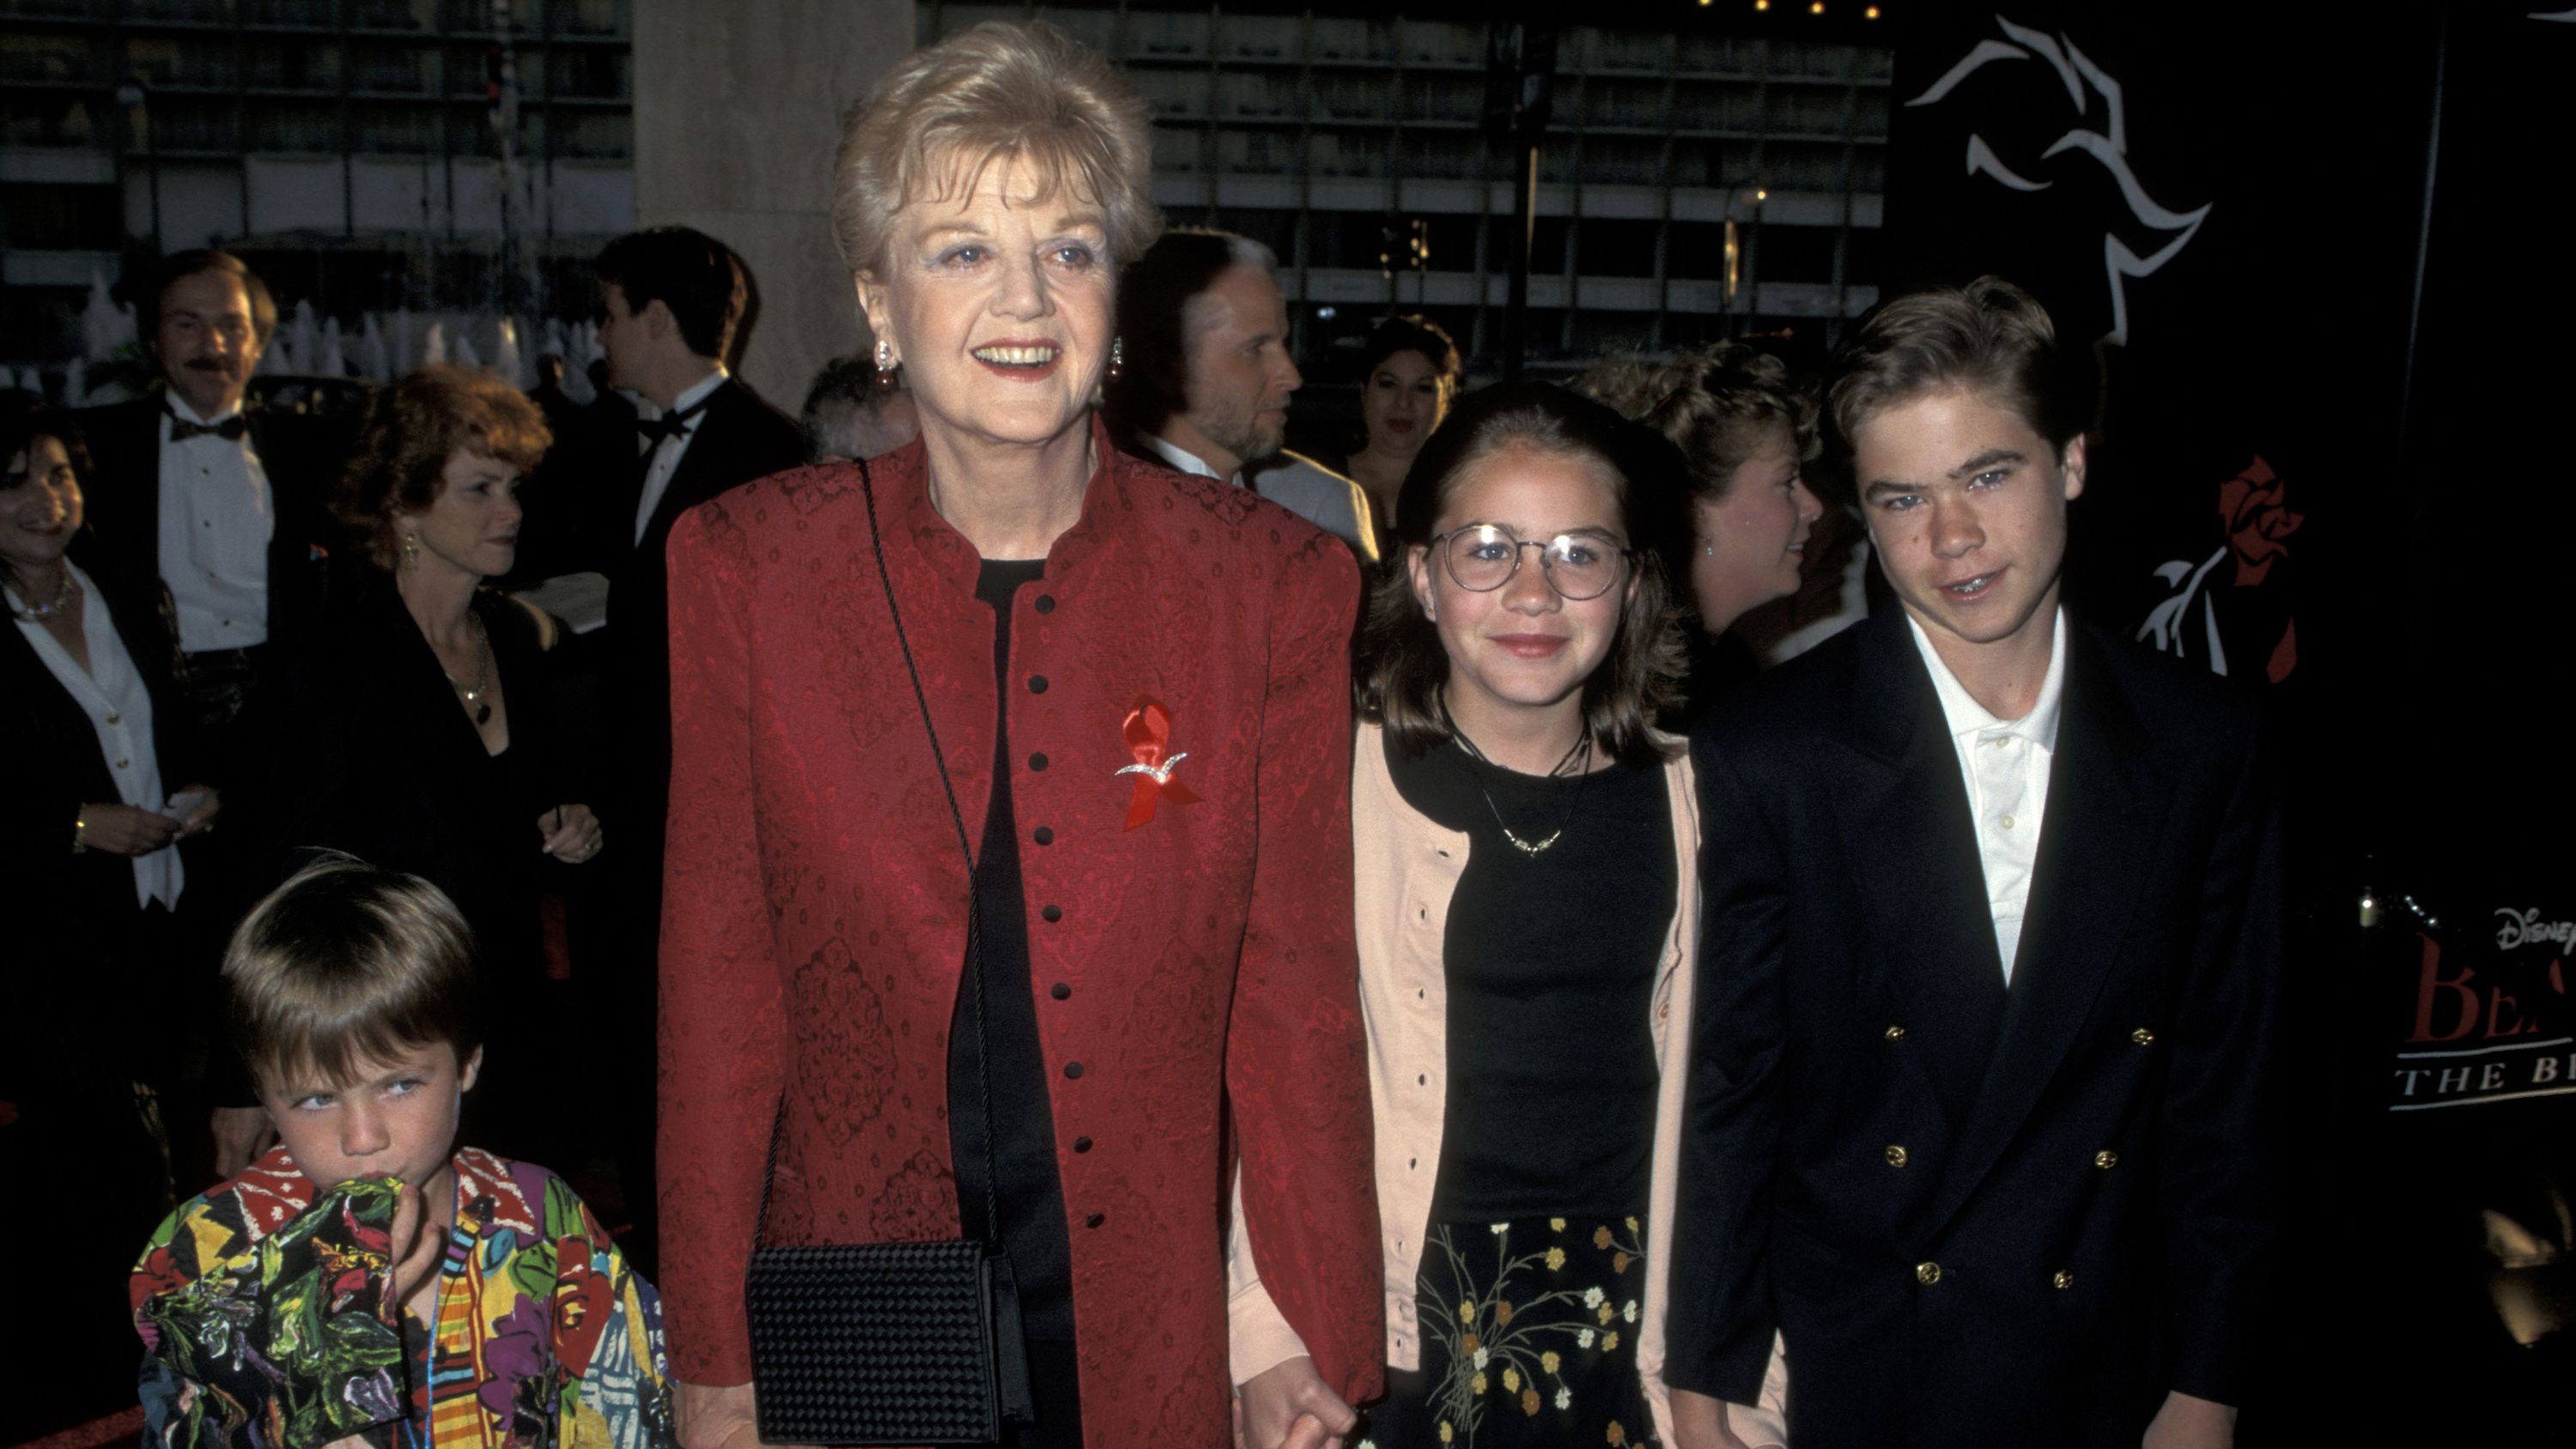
x: 1527, y: 913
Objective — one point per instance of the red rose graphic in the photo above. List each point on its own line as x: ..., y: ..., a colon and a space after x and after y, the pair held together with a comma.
x: 2255, y: 505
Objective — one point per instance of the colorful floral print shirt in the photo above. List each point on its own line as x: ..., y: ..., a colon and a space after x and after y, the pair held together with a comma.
x: 267, y: 1322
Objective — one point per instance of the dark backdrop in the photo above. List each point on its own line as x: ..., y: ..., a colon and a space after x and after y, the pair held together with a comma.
x: 2328, y: 463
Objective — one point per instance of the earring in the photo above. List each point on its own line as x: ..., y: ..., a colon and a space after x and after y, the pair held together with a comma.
x: 411, y: 550
x: 885, y: 365
x: 1708, y: 550
x: 1117, y: 358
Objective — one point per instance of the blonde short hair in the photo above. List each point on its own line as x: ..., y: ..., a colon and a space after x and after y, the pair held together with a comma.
x: 1004, y: 90
x: 1718, y: 406
x: 345, y: 964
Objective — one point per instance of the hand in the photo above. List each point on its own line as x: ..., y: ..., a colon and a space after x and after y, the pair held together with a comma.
x: 710, y: 1416
x: 572, y: 833
x: 1699, y: 1422
x: 243, y: 1135
x: 201, y: 819
x: 418, y: 1245
x: 125, y: 830
x: 2189, y: 1423
x: 1288, y: 1405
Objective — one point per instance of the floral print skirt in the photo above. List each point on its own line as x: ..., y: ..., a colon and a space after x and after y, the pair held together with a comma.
x: 1529, y: 1337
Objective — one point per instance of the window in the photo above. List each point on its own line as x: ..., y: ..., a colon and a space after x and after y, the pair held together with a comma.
x: 61, y: 218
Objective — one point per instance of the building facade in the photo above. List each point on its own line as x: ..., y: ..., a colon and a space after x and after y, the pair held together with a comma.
x: 365, y: 154
x: 1705, y: 171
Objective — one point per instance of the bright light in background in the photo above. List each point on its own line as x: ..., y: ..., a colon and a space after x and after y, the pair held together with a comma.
x: 1817, y: 9
x: 1326, y: 314
x: 1871, y: 12
x: 1761, y: 4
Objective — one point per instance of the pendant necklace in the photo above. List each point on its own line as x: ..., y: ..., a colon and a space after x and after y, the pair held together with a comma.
x: 1581, y: 748
x: 39, y: 613
x: 482, y: 675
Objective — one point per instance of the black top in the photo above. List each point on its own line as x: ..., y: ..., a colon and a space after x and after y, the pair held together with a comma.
x: 1550, y: 962
x: 370, y: 752
x: 1030, y: 1192
x: 1711, y: 670
x: 85, y: 987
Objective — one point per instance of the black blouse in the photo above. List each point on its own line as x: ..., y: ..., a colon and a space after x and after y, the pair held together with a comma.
x: 1550, y: 962
x: 370, y: 752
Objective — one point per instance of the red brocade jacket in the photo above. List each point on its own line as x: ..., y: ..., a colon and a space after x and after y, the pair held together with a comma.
x: 815, y: 924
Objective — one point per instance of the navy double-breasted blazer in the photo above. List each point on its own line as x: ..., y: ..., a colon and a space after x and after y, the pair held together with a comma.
x: 1977, y: 1214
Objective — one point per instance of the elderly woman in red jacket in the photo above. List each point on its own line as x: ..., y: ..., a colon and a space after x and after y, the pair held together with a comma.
x: 1138, y: 687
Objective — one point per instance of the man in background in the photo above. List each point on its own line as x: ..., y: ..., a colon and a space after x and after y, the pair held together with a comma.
x: 1205, y: 378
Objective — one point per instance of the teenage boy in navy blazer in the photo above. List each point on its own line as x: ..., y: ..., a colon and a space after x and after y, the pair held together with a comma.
x: 1991, y: 970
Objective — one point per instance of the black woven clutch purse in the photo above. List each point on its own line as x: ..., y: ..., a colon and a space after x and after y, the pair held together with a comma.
x: 876, y: 1343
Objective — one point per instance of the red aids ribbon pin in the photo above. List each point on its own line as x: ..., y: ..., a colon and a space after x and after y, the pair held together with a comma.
x: 1148, y: 731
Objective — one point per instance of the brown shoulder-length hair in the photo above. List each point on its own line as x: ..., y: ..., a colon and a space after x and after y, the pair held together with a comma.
x: 1402, y: 661
x: 412, y: 428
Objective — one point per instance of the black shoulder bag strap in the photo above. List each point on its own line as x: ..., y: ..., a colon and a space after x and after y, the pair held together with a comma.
x: 1009, y: 1347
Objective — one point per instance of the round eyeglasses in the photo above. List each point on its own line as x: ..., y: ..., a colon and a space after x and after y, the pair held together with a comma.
x: 1482, y: 557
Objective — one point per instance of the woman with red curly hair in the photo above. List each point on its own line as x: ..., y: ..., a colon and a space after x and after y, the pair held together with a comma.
x: 415, y: 730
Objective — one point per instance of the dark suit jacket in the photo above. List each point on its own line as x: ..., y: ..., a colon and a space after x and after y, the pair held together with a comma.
x: 2078, y: 1217
x: 302, y: 458
x: 738, y: 438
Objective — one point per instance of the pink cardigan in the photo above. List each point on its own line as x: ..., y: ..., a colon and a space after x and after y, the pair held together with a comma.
x: 1406, y: 869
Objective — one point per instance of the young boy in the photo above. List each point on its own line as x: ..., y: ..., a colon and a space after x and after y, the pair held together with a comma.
x: 1991, y: 967
x: 368, y: 1277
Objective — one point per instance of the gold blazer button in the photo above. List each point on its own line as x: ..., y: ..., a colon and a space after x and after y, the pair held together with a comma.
x: 2143, y: 1037
x: 1927, y: 1273
x: 2106, y: 1159
x: 1896, y: 1033
x: 1895, y: 1155
x: 2064, y: 1279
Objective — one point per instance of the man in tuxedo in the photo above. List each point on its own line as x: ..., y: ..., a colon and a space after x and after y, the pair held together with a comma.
x: 1991, y: 966
x: 1204, y: 377
x: 671, y: 301
x: 224, y: 504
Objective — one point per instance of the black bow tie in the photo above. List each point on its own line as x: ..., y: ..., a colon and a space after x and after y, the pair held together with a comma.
x: 671, y: 425
x: 230, y: 429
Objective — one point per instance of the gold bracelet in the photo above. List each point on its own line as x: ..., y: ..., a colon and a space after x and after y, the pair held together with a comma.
x: 80, y: 835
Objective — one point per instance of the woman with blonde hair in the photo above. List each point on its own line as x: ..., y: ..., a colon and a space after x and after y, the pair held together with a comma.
x: 1009, y: 867
x: 1747, y: 431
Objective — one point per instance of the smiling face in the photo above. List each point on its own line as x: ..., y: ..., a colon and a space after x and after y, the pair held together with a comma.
x: 472, y: 526
x: 1752, y: 537
x: 206, y: 342
x: 394, y: 1117
x: 40, y: 508
x: 1524, y: 647
x: 1966, y: 505
x: 998, y: 305
x: 1401, y: 401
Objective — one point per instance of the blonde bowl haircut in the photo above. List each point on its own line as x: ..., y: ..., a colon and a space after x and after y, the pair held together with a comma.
x: 346, y: 964
x: 1002, y: 91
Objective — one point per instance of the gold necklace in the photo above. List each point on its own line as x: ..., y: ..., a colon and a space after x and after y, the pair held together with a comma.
x: 482, y: 674
x: 1532, y: 849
